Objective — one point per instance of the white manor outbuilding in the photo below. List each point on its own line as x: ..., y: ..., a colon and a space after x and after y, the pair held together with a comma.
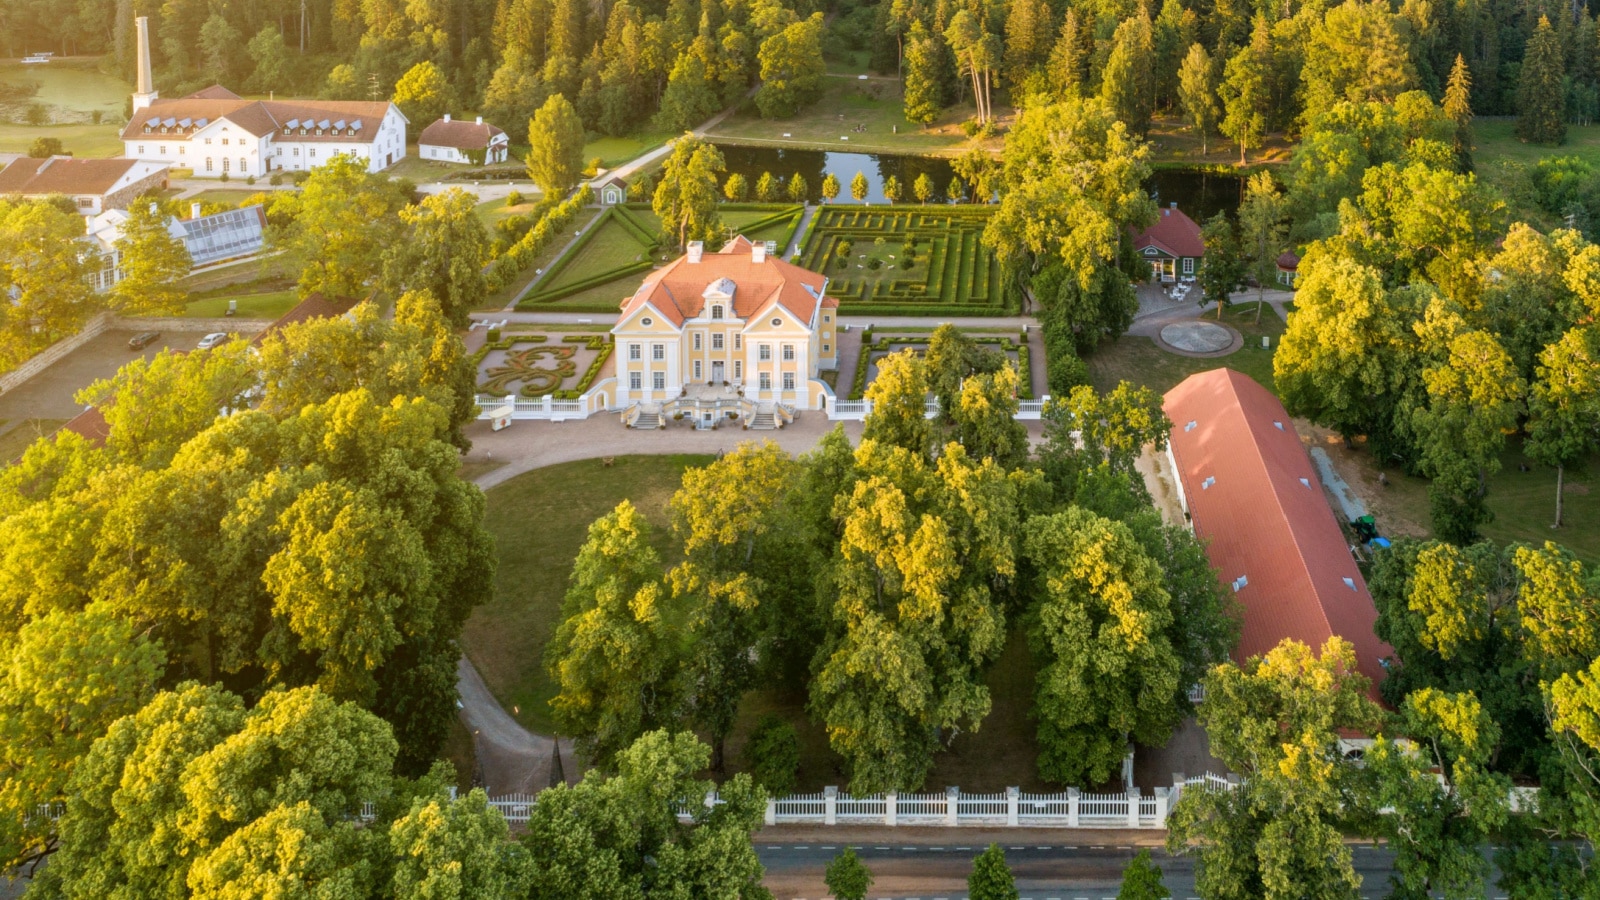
x: 455, y: 141
x: 736, y: 320
x: 215, y: 132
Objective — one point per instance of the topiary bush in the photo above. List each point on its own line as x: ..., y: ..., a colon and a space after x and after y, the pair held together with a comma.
x: 773, y: 755
x: 493, y: 335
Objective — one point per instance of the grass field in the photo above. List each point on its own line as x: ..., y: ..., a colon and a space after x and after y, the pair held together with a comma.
x: 86, y: 141
x: 1496, y: 140
x: 269, y: 305
x: 614, y: 151
x: 221, y: 195
x: 953, y: 273
x: 491, y: 212
x: 539, y: 520
x: 874, y: 105
x: 1138, y: 360
x: 70, y: 89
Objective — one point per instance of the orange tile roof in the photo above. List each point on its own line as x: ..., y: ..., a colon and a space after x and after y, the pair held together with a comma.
x: 676, y: 290
x: 1263, y: 517
x: 91, y: 425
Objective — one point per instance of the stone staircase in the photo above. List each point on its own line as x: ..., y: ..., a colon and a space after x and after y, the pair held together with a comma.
x: 647, y: 420
x: 763, y: 421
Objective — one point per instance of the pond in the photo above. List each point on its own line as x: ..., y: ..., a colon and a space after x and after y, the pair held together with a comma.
x: 1199, y: 194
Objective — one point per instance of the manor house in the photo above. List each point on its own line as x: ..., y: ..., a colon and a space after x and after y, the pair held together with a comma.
x: 736, y: 320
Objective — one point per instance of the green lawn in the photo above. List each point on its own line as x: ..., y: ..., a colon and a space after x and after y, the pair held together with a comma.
x: 79, y: 140
x: 845, y: 104
x: 71, y: 89
x: 1138, y: 360
x: 541, y: 260
x: 539, y: 520
x: 221, y: 195
x: 491, y: 212
x: 612, y: 247
x: 15, y: 442
x: 614, y: 151
x: 1496, y: 140
x: 251, y: 306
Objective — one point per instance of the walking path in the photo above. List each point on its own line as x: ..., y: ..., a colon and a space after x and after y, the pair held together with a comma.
x: 793, y: 249
x: 639, y: 162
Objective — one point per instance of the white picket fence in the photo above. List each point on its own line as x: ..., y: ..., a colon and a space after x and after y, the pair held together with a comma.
x: 1068, y: 809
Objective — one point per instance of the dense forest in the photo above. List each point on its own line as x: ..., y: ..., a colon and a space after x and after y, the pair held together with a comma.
x: 1274, y: 66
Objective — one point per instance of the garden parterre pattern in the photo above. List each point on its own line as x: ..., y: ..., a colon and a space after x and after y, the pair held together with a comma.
x: 534, y: 365
x: 954, y: 273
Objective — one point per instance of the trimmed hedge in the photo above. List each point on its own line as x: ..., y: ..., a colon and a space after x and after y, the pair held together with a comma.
x: 519, y: 256
x: 577, y: 287
x: 600, y: 343
x: 858, y: 388
x: 962, y: 275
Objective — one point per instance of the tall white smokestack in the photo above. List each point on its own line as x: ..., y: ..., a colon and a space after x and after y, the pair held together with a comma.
x: 146, y: 92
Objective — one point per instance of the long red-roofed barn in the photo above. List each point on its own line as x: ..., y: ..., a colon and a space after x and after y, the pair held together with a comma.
x: 1253, y: 497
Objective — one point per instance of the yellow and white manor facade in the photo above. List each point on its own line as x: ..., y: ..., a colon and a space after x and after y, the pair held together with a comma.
x: 734, y: 320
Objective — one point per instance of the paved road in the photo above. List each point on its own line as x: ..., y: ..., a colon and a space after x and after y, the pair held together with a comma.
x: 1048, y: 865
x: 511, y: 759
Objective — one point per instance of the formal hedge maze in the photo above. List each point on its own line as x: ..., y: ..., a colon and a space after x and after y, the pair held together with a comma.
x: 909, y: 261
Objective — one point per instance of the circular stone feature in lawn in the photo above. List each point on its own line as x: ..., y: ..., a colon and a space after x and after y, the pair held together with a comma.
x: 1197, y: 336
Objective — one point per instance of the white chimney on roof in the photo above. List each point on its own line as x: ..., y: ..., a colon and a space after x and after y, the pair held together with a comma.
x: 146, y: 93
x: 447, y: 117
x: 480, y: 120
x: 696, y: 250
x: 194, y: 210
x: 758, y: 252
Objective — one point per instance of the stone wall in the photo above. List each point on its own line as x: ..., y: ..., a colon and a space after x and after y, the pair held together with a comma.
x: 42, y: 360
x: 109, y: 322
x: 121, y: 199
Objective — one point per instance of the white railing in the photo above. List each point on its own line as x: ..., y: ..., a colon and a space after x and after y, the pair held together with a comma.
x: 856, y: 410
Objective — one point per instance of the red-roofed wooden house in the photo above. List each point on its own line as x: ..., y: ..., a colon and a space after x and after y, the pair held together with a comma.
x: 1171, y: 245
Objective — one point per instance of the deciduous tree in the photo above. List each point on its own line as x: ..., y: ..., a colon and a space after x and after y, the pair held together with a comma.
x: 151, y: 260
x: 1197, y: 93
x: 991, y: 877
x: 555, y: 147
x: 847, y: 878
x: 686, y: 198
x: 443, y: 251
x: 340, y: 224
x: 791, y: 69
x: 423, y: 94
x: 859, y: 188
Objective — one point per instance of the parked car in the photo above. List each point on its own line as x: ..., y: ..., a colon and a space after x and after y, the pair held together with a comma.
x: 143, y: 339
x: 211, y: 340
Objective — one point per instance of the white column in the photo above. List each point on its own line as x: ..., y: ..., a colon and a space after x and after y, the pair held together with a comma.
x: 952, y: 805
x: 1013, y: 796
x: 888, y: 808
x: 830, y: 805
x: 1133, y: 807
x: 1163, y: 803
x: 771, y: 817
x: 546, y: 400
x: 1072, y: 807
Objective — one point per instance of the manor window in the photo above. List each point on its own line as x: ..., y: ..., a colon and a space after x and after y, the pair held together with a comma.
x: 716, y: 311
x: 788, y: 352
x: 658, y: 380
x: 633, y: 351
x: 764, y: 352
x: 788, y: 381
x: 697, y: 370
x: 716, y: 342
x: 633, y: 381
x: 658, y: 351
x: 697, y: 341
x: 766, y: 381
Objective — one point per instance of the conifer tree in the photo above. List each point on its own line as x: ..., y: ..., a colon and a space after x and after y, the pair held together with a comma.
x: 736, y: 188
x: 797, y: 188
x: 1542, y: 94
x: 766, y: 188
x: 1128, y: 82
x: 1068, y: 57
x: 924, y: 89
x: 922, y: 187
x: 891, y: 189
x: 859, y: 187
x: 1458, y: 106
x: 1028, y: 39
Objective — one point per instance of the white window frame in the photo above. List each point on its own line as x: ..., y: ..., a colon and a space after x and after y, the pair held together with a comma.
x: 635, y: 381
x: 716, y: 342
x: 634, y: 352
x: 764, y: 352
x: 788, y: 353
x: 788, y: 381
x: 697, y: 340
x: 658, y: 352
x: 658, y: 381
x: 697, y: 370
x: 1188, y: 265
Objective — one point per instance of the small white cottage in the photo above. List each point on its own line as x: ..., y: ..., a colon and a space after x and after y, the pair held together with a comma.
x: 454, y: 141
